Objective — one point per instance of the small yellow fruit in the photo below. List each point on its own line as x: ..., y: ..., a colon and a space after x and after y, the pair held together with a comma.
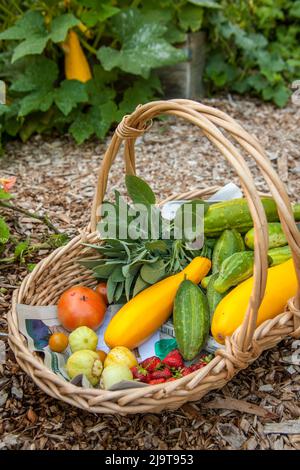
x: 120, y: 355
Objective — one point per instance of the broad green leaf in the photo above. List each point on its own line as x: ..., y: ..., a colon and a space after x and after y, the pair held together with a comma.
x: 100, y: 12
x: 281, y: 95
x: 103, y: 117
x: 69, y: 94
x: 81, y: 128
x: 142, y: 39
x: 140, y: 92
x: 190, y: 17
x: 4, y: 231
x: 139, y: 191
x: 30, y: 24
x: 35, y: 44
x: 38, y: 100
x: 39, y: 73
x: 61, y: 25
x: 97, y: 120
x: 174, y: 35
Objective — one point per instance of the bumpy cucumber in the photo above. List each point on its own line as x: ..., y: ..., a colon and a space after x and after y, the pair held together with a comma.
x: 276, y: 236
x: 213, y: 297
x: 234, y: 270
x: 236, y: 214
x: 229, y: 242
x: 191, y: 319
x: 279, y: 255
x: 205, y: 281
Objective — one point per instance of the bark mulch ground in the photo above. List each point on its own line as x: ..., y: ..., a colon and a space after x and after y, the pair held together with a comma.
x: 259, y: 409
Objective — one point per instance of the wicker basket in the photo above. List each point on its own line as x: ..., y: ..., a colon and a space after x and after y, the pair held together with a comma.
x: 59, y: 271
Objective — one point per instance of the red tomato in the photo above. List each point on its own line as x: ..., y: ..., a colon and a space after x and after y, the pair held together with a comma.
x: 102, y: 289
x: 81, y: 306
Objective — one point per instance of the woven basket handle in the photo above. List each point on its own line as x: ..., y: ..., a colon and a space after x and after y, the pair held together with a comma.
x: 207, y: 119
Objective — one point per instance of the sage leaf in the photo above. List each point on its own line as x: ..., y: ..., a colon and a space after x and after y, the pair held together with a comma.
x: 111, y: 287
x: 151, y: 273
x: 119, y: 291
x: 157, y: 245
x: 139, y: 191
x: 128, y: 284
x: 104, y: 271
x: 139, y: 286
x: 117, y: 274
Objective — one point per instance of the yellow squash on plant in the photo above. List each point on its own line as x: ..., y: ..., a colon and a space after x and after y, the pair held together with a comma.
x: 145, y: 313
x: 229, y: 314
x: 76, y: 64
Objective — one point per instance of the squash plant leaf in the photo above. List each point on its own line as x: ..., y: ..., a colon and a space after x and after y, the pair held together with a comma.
x: 141, y: 38
x: 69, y: 94
x: 40, y: 73
x: 61, y: 25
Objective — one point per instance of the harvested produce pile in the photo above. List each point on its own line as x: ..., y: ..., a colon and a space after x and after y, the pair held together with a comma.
x: 59, y: 425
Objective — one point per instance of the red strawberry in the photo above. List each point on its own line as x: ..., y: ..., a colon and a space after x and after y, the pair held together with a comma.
x: 198, y: 365
x: 161, y: 374
x: 156, y: 381
x: 174, y: 359
x: 139, y: 373
x: 151, y: 363
x: 171, y: 379
x: 186, y: 371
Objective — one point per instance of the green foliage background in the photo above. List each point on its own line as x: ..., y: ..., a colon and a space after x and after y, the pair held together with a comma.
x: 252, y: 47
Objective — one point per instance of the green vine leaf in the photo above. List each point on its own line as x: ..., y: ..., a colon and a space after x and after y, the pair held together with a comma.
x: 69, y: 94
x: 143, y: 45
x: 61, y: 25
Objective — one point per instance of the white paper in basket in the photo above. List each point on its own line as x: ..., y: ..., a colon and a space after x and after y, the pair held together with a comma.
x: 37, y: 322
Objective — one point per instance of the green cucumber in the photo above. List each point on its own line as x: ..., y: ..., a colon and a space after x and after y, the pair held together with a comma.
x: 213, y: 297
x: 228, y: 243
x: 276, y: 236
x: 205, y: 281
x: 279, y: 255
x: 236, y: 214
x: 191, y: 319
x: 234, y: 270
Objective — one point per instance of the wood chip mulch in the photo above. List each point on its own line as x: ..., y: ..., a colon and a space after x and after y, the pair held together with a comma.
x: 258, y: 409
